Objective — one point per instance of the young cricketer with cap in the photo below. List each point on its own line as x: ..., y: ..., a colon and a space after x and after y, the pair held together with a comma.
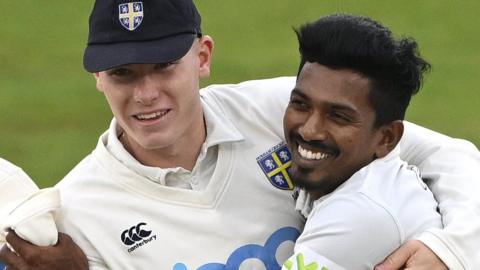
x: 188, y: 179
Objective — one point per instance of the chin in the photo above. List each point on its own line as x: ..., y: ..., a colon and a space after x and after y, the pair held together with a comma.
x: 146, y: 143
x: 318, y: 185
x: 154, y: 145
x: 307, y: 184
x: 156, y: 140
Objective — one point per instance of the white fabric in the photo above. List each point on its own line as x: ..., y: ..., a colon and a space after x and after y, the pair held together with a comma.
x: 25, y: 209
x: 14, y: 183
x: 238, y: 218
x: 452, y: 169
x: 255, y: 108
x: 33, y: 218
x: 370, y: 215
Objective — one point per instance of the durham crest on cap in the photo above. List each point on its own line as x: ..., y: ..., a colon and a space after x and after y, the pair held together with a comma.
x: 120, y: 34
x: 130, y: 15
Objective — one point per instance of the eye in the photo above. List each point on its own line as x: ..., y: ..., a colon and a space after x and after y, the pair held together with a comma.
x: 298, y: 103
x: 340, y: 117
x: 162, y: 66
x: 120, y: 72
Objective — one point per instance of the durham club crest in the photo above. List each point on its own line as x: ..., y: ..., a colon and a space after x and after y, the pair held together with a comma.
x: 130, y: 15
x: 275, y: 164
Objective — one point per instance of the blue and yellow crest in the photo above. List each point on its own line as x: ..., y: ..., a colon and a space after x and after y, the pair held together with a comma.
x: 275, y: 164
x: 130, y: 15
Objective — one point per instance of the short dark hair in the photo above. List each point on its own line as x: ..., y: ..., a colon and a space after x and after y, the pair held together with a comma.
x: 394, y: 67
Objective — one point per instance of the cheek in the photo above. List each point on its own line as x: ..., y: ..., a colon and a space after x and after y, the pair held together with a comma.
x: 117, y: 101
x: 287, y: 124
x: 184, y: 89
x: 348, y: 140
x: 291, y: 119
x: 357, y: 142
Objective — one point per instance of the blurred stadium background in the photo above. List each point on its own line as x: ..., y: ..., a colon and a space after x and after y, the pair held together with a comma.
x: 51, y: 114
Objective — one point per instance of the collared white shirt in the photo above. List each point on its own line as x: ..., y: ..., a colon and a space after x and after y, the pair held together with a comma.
x: 367, y: 217
x: 219, y: 130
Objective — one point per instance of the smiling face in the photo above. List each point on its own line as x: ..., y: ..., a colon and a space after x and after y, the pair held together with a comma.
x: 329, y: 128
x: 158, y: 105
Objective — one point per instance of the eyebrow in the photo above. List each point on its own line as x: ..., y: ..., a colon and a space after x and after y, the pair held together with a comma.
x: 342, y: 107
x: 297, y: 91
x: 335, y: 105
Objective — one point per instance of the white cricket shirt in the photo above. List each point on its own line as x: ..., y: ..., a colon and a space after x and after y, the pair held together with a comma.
x: 367, y: 217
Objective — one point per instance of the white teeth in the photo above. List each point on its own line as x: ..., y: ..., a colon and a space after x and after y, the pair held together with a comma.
x: 150, y: 115
x: 307, y: 154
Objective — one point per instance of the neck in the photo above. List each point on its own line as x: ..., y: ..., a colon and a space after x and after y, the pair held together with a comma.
x: 315, y: 195
x: 182, y: 153
x: 166, y: 158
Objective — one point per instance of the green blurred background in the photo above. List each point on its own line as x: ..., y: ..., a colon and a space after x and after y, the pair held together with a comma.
x: 51, y: 114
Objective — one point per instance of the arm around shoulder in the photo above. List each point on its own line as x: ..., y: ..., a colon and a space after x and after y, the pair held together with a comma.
x: 451, y: 168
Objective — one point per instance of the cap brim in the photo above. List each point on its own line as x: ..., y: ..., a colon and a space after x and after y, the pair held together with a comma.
x: 101, y: 57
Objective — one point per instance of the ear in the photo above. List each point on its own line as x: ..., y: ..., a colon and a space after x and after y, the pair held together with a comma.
x: 205, y: 55
x: 390, y: 135
x: 96, y: 76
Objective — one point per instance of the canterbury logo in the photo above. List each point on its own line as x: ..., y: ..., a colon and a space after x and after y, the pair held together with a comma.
x: 135, y: 234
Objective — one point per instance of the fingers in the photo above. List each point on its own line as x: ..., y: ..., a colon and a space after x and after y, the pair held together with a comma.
x: 76, y: 256
x: 65, y: 255
x: 11, y: 259
x: 398, y: 259
x: 21, y: 246
x: 63, y: 239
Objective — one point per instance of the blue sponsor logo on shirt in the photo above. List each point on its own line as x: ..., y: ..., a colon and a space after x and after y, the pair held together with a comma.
x: 266, y: 253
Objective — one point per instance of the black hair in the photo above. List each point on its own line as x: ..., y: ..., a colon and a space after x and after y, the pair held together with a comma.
x: 394, y: 67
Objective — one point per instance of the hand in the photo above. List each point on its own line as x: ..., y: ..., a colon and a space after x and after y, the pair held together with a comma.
x: 65, y: 255
x: 412, y: 255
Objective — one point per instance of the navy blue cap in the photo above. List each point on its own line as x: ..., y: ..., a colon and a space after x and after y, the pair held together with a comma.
x: 139, y: 32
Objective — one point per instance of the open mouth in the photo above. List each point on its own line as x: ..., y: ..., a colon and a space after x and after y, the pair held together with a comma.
x: 310, y: 155
x: 151, y: 116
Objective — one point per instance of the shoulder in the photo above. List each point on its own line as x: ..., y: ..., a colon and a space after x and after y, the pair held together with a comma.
x: 258, y: 104
x: 260, y: 93
x: 7, y: 169
x: 351, y: 228
x: 85, y: 174
x: 351, y: 210
x: 399, y: 189
x: 14, y: 183
x: 271, y: 85
x: 11, y: 174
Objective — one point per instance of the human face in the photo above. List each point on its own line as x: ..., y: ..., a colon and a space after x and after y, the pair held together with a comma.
x: 158, y: 105
x: 329, y: 127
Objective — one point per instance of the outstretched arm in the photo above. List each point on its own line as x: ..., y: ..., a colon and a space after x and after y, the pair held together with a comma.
x: 451, y: 168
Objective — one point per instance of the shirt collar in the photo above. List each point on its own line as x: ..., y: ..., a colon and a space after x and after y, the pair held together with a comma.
x: 220, y: 130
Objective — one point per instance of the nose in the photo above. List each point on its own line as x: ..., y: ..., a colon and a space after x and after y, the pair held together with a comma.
x: 146, y: 91
x: 313, y: 129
